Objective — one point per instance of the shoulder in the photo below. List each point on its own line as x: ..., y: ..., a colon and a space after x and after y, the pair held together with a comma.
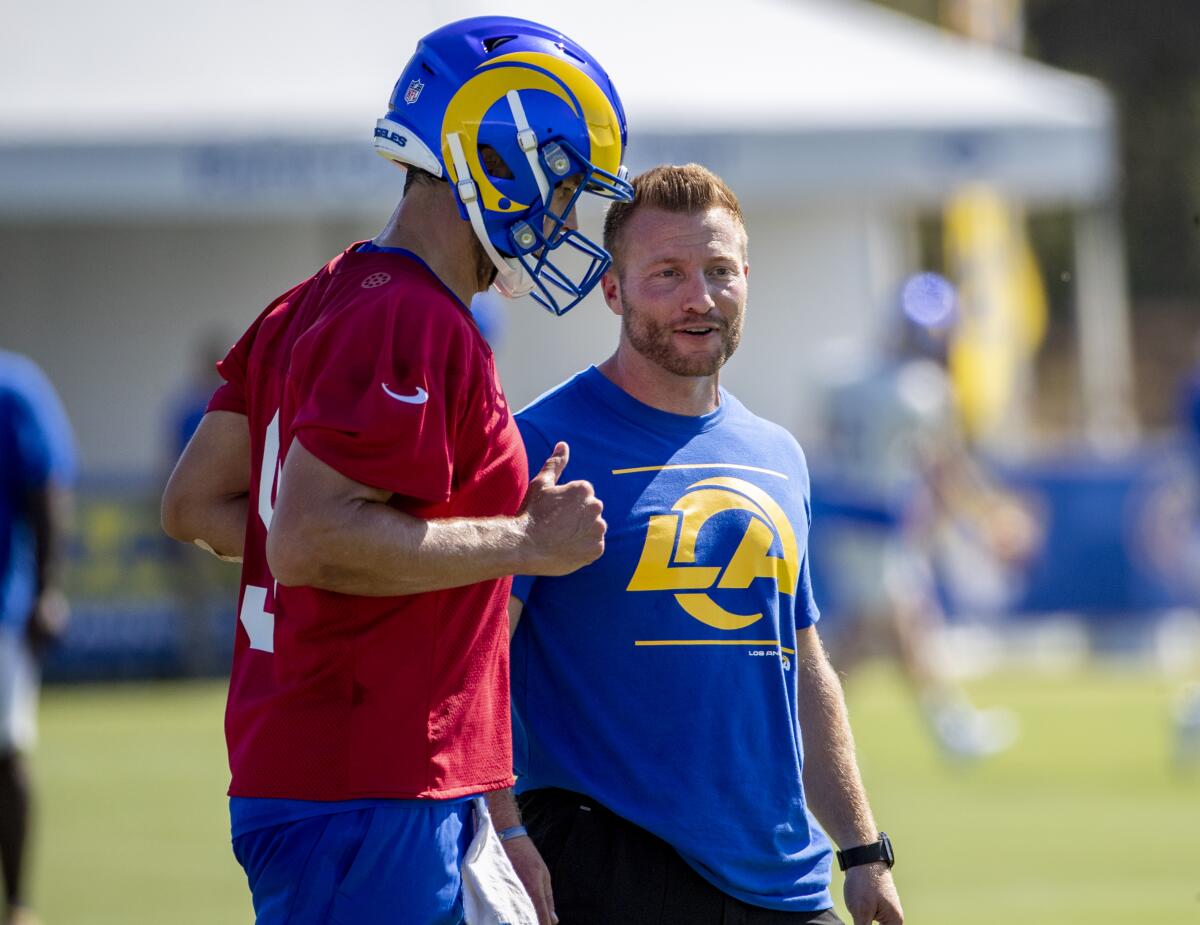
x: 26, y: 390
x: 562, y: 402
x: 773, y: 435
x: 30, y: 409
x: 773, y: 443
x: 554, y: 412
x: 21, y: 377
x: 380, y: 306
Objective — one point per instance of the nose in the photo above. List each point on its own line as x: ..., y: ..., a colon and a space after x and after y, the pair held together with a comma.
x: 570, y: 223
x: 697, y: 297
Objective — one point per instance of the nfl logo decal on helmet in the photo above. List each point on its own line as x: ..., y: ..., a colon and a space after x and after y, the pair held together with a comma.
x: 522, y: 121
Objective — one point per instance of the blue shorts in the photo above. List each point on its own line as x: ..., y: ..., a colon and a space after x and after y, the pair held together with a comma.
x: 384, y: 864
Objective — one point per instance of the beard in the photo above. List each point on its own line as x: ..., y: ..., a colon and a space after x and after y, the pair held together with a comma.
x: 653, y: 340
x: 485, y: 270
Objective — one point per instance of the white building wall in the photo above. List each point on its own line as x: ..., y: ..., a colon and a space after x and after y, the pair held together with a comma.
x: 113, y: 313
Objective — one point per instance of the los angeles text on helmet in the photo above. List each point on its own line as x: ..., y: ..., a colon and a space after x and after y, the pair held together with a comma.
x: 393, y: 137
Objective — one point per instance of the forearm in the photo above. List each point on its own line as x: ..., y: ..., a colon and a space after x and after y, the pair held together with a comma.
x: 832, y: 784
x: 207, y: 495
x: 328, y: 531
x: 49, y: 517
x: 372, y: 549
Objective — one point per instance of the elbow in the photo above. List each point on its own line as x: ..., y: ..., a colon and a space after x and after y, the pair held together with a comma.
x: 292, y: 553
x: 173, y: 514
x: 286, y: 560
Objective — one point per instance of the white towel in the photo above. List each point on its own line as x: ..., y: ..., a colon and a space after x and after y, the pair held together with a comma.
x: 492, y: 892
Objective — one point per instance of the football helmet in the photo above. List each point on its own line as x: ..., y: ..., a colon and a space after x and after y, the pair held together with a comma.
x: 506, y: 111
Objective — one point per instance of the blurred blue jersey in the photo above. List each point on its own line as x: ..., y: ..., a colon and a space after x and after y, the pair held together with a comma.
x: 36, y: 450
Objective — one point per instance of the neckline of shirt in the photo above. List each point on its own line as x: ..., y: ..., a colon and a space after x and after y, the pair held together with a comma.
x: 370, y: 247
x: 653, y: 418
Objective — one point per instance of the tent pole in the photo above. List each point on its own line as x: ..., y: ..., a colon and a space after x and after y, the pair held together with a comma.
x: 1102, y: 316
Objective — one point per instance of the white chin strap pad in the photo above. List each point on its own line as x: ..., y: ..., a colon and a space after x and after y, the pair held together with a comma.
x: 527, y: 140
x: 511, y: 278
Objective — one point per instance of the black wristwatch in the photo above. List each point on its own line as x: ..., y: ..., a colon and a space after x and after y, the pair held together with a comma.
x: 868, y: 854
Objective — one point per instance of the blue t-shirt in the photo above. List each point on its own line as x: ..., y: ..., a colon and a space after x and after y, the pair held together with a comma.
x: 659, y: 680
x: 36, y: 450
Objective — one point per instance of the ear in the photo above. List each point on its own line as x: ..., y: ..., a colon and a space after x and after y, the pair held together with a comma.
x: 610, y: 285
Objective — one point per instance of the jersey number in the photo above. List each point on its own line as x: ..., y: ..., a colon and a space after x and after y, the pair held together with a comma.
x: 256, y: 618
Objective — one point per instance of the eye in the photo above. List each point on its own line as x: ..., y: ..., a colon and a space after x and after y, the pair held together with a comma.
x: 566, y: 189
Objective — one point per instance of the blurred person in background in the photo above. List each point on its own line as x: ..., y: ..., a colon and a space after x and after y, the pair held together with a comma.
x: 37, y: 470
x: 198, y: 580
x: 189, y: 402
x: 362, y: 459
x: 901, y: 475
x: 680, y: 732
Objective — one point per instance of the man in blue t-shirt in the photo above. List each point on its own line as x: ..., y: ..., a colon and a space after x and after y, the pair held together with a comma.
x: 678, y: 730
x: 37, y: 466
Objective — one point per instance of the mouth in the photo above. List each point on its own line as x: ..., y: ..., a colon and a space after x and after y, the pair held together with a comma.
x: 697, y: 330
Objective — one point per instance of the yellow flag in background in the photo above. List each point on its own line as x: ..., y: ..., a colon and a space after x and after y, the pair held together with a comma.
x: 1002, y: 305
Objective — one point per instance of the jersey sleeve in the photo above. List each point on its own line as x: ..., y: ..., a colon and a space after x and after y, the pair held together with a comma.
x: 235, y: 367
x: 231, y: 394
x: 378, y: 393
x: 807, y: 611
x: 44, y: 443
x: 537, y: 450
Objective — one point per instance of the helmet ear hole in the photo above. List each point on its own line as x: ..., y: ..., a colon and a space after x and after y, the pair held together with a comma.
x: 491, y: 44
x: 571, y: 52
x: 494, y: 164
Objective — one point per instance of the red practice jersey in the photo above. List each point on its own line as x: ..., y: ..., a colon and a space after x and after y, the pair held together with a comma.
x: 379, y: 371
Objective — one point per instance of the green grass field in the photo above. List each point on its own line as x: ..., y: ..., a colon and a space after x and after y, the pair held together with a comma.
x: 1083, y: 822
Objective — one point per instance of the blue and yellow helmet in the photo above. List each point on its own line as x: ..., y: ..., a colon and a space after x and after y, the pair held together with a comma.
x: 506, y: 110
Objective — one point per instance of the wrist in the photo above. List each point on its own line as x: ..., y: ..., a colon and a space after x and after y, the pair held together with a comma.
x: 502, y: 808
x: 873, y: 853
x: 526, y: 551
x: 513, y: 831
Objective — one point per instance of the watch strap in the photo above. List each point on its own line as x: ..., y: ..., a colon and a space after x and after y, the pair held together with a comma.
x: 880, y: 850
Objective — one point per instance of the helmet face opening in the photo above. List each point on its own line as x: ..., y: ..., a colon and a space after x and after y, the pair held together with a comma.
x: 534, y: 241
x: 507, y: 116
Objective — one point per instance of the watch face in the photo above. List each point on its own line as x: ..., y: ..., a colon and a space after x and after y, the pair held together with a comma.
x: 885, y: 843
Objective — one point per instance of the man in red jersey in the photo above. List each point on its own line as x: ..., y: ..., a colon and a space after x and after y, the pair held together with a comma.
x: 362, y: 461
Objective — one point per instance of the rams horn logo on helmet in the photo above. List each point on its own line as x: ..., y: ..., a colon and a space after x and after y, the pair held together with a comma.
x: 522, y: 71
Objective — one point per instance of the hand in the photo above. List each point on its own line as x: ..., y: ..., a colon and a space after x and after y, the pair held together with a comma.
x: 47, y: 622
x: 534, y: 875
x: 871, y: 895
x: 1011, y: 531
x: 563, y: 527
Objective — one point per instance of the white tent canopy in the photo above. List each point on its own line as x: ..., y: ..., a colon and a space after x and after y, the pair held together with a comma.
x: 138, y: 105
